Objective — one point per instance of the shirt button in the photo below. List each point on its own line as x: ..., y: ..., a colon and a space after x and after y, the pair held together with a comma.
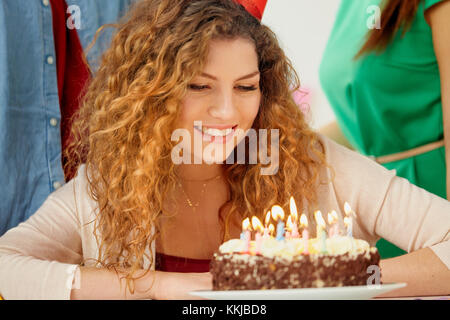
x: 53, y: 122
x: 50, y: 60
x: 45, y: 2
x: 56, y: 185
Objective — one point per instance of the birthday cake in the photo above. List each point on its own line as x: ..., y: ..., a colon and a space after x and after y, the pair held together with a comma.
x: 285, y: 264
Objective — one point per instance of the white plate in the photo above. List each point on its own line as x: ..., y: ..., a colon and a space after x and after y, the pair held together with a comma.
x: 331, y: 293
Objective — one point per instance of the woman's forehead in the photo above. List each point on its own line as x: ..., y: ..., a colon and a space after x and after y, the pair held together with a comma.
x: 235, y: 52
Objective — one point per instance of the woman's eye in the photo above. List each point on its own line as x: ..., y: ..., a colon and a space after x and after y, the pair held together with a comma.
x: 250, y: 88
x: 203, y: 87
x: 197, y: 87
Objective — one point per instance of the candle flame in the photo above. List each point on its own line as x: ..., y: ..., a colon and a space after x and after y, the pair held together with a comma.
x: 347, y: 221
x: 267, y: 220
x: 332, y: 217
x: 277, y: 213
x: 293, y: 208
x: 246, y: 224
x: 289, y: 224
x: 319, y: 219
x: 347, y: 208
x: 303, y: 220
x: 271, y: 229
x: 256, y: 224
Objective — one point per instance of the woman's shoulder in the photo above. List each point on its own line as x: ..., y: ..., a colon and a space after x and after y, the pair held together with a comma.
x: 75, y: 194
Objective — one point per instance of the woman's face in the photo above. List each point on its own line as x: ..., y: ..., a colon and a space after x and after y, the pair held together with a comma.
x: 222, y: 103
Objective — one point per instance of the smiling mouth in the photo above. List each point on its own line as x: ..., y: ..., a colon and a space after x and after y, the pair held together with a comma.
x: 214, y: 134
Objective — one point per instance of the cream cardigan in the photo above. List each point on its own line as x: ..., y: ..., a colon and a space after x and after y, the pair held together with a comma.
x: 38, y: 258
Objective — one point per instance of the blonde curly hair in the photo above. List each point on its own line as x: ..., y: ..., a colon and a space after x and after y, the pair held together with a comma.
x: 122, y: 131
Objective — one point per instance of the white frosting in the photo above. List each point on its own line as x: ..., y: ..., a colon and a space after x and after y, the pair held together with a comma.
x: 340, y: 245
x: 233, y: 245
x: 271, y: 247
x: 289, y: 248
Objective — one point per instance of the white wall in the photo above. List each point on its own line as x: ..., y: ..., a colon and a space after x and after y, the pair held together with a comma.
x: 303, y: 27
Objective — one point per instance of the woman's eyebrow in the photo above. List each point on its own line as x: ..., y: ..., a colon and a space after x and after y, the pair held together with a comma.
x: 203, y: 74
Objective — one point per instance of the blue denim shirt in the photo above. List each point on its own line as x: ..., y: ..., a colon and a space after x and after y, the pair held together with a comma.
x: 30, y: 139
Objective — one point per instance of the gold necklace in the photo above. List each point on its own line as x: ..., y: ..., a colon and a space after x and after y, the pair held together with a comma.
x: 188, y: 200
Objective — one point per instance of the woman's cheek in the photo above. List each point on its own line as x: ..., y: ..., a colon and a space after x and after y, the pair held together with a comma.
x: 253, y: 110
x: 188, y: 114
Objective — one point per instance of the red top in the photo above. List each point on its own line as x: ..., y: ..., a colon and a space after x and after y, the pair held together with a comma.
x: 72, y: 72
x: 168, y: 263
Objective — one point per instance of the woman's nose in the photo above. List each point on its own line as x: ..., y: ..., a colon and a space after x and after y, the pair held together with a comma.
x: 222, y: 107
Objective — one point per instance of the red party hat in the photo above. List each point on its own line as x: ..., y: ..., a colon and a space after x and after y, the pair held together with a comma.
x: 254, y: 7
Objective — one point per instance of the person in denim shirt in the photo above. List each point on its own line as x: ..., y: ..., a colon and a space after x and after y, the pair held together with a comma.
x: 30, y: 139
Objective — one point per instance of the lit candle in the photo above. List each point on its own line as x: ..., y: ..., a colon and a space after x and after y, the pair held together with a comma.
x: 332, y: 221
x: 271, y: 230
x: 287, y: 234
x: 348, y: 221
x: 278, y: 215
x: 348, y: 225
x: 321, y: 233
x: 294, y: 215
x: 258, y: 227
x: 305, y: 234
x: 289, y: 227
x: 246, y: 235
x: 266, y: 223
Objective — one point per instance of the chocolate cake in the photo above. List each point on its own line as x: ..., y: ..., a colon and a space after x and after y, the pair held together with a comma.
x: 284, y: 264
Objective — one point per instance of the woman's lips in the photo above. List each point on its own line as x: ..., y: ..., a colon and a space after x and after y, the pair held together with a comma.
x: 217, y: 139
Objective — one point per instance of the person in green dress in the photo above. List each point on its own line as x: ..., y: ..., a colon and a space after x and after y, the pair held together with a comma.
x: 386, y: 73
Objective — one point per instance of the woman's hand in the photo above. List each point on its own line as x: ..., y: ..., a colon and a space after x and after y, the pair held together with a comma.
x: 176, y: 286
x: 422, y: 270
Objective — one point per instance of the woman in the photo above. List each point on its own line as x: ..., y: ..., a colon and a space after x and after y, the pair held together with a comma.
x: 171, y: 65
x: 388, y: 80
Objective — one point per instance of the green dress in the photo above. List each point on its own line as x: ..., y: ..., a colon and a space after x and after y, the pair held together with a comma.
x: 387, y: 102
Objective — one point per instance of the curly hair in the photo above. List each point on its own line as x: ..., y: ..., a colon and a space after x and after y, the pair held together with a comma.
x: 122, y: 131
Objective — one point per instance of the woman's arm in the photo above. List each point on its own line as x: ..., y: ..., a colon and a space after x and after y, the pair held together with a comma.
x: 38, y: 257
x: 422, y: 270
x: 96, y: 283
x: 392, y: 208
x: 438, y: 18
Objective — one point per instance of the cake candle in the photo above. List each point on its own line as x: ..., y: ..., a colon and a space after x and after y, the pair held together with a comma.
x: 348, y: 220
x: 271, y: 230
x: 289, y: 227
x: 246, y: 234
x: 321, y: 233
x: 332, y: 221
x: 258, y: 239
x: 258, y: 227
x: 278, y: 216
x: 266, y: 233
x: 305, y: 234
x: 348, y: 225
x: 294, y: 215
x: 280, y: 231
